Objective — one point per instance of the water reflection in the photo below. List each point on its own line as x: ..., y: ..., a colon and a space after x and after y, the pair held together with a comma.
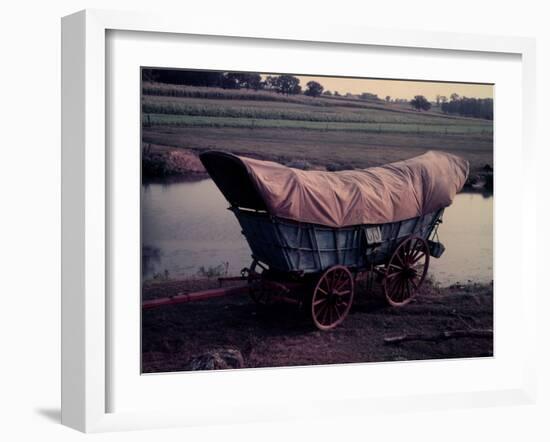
x: 467, y: 233
x: 191, y: 226
x: 186, y: 226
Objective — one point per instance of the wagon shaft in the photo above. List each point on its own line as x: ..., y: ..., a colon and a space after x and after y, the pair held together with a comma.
x: 196, y: 296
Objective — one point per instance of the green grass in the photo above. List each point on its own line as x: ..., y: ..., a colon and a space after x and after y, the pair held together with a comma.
x: 295, y: 113
x: 180, y: 91
x: 205, y: 94
x: 430, y: 127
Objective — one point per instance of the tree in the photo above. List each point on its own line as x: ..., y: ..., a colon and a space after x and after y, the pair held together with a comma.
x: 443, y: 99
x: 327, y: 93
x: 314, y: 89
x: 235, y: 80
x: 454, y: 96
x: 388, y: 98
x: 230, y: 81
x: 250, y: 81
x: 177, y: 76
x: 148, y: 75
x: 419, y: 102
x: 286, y: 84
x: 470, y: 107
x: 270, y: 82
x: 368, y: 96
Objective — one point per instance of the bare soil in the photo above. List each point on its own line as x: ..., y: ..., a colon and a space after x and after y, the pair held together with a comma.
x: 358, y: 150
x: 282, y: 335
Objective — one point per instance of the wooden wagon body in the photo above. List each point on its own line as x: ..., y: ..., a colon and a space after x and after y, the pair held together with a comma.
x: 294, y: 247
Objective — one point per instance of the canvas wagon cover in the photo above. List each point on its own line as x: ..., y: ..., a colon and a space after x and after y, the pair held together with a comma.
x: 393, y: 192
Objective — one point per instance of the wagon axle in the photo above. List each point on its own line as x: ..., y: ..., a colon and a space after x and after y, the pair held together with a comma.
x: 331, y: 295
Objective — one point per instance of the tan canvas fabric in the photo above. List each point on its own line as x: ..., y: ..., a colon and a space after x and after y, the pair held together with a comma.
x: 393, y: 192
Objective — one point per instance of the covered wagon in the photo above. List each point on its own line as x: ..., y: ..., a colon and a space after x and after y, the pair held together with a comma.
x: 313, y: 233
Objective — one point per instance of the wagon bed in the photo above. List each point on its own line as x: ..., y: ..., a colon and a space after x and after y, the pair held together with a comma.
x: 290, y: 246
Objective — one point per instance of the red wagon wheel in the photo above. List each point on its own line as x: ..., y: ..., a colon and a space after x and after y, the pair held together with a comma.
x: 259, y: 289
x: 332, y: 297
x: 406, y: 270
x: 260, y: 292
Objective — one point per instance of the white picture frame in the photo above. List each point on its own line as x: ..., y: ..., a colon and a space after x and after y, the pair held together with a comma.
x: 86, y: 315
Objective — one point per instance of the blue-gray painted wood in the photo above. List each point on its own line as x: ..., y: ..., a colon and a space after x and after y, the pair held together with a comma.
x: 290, y: 246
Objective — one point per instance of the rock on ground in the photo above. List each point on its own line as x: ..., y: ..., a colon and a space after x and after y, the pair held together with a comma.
x: 217, y: 359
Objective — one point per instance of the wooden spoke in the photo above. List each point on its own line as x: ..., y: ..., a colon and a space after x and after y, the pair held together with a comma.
x: 342, y: 293
x: 323, y: 292
x: 394, y: 266
x: 338, y: 280
x: 345, y: 304
x: 328, y: 317
x: 400, y: 259
x: 260, y: 292
x: 406, y: 270
x: 326, y: 285
x: 343, y: 285
x: 322, y: 311
x: 401, y: 289
x: 332, y: 297
x: 397, y: 283
x: 418, y: 253
x: 393, y: 275
x: 408, y: 288
x: 320, y: 301
x: 263, y: 290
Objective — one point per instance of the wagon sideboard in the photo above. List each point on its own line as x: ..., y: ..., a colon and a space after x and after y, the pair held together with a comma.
x: 289, y: 246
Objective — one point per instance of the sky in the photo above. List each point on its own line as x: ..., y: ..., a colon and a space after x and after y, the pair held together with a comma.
x: 399, y: 88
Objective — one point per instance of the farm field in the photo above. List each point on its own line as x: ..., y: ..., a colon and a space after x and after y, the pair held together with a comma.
x: 321, y: 132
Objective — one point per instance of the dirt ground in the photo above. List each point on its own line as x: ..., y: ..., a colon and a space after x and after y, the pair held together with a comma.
x: 359, y: 150
x: 282, y: 335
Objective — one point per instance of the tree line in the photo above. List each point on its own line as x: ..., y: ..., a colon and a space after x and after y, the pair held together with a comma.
x: 284, y: 84
x: 464, y: 106
x: 290, y: 85
x: 469, y: 107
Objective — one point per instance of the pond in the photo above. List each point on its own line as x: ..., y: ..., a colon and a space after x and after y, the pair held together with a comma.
x: 187, y: 230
